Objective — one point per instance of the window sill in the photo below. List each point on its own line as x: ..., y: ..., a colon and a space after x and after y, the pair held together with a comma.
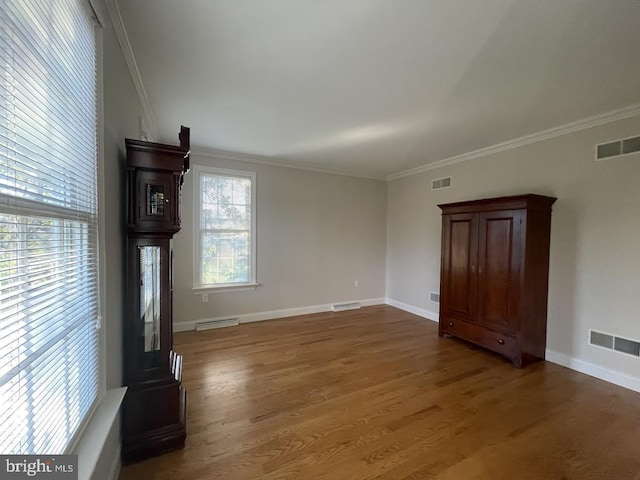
x: 94, y: 437
x: 225, y: 288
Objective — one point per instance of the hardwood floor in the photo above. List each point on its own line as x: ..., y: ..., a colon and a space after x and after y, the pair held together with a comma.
x: 376, y: 394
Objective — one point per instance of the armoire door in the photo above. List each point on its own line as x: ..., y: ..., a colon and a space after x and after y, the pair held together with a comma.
x: 500, y: 243
x: 459, y: 260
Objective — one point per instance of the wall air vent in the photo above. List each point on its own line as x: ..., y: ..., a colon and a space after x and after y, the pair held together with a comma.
x: 434, y: 297
x: 618, y: 148
x: 611, y: 342
x: 341, y: 307
x: 441, y: 183
x: 217, y: 323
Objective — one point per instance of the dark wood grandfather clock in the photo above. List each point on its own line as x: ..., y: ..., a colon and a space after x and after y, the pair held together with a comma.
x: 155, y: 404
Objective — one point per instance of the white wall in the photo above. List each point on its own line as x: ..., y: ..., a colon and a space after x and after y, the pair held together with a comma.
x: 595, y: 234
x: 316, y: 234
x: 121, y: 111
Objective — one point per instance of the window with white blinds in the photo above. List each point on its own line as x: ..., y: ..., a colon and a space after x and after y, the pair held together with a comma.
x: 225, y: 245
x: 49, y: 369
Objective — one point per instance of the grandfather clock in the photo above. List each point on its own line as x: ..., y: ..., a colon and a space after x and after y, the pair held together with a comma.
x: 154, y: 407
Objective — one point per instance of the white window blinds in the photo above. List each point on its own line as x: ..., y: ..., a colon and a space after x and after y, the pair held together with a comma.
x: 49, y: 371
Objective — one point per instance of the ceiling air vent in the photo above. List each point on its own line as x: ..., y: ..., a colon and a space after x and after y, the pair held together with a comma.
x: 441, y: 183
x: 618, y: 148
x: 619, y: 344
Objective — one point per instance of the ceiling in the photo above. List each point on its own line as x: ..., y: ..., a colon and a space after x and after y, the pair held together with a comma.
x: 375, y: 87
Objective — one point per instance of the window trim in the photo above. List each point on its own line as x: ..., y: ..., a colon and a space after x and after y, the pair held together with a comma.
x: 198, y: 287
x: 101, y: 273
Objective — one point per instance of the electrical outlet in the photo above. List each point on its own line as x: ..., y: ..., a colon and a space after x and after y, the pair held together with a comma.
x: 205, y: 297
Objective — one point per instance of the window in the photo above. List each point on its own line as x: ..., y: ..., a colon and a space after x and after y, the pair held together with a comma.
x: 49, y: 369
x: 225, y: 215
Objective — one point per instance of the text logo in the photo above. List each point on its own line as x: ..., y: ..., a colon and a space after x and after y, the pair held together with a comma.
x: 41, y: 467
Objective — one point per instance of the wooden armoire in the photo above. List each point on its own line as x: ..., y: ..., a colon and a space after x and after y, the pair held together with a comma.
x: 494, y: 274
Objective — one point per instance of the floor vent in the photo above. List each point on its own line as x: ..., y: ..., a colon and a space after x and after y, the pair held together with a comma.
x: 619, y: 344
x: 341, y: 307
x: 219, y: 323
x: 618, y: 148
x: 441, y: 183
x: 434, y: 297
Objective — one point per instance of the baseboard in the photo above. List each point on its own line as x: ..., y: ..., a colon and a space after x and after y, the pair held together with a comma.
x: 421, y: 312
x: 273, y: 314
x: 611, y: 376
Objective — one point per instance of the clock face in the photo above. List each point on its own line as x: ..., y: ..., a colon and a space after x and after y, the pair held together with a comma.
x: 155, y: 200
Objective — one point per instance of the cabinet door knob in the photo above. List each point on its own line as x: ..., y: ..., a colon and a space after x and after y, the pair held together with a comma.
x: 451, y: 324
x: 501, y: 342
x: 479, y: 269
x: 473, y: 269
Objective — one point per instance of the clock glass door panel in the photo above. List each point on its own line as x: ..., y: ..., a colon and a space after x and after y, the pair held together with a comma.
x: 149, y: 321
x: 155, y: 200
x: 156, y: 210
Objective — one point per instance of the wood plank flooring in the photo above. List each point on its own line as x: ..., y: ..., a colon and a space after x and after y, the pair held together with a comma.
x: 376, y: 394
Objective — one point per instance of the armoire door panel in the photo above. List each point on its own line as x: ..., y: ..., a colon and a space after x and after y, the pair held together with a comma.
x: 499, y: 269
x: 459, y: 283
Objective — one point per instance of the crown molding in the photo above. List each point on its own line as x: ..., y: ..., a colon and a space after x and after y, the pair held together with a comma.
x: 589, y: 122
x: 136, y: 78
x: 275, y: 162
x: 98, y: 10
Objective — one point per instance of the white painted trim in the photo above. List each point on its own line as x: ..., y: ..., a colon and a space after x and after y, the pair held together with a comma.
x: 421, y: 312
x: 275, y: 162
x: 98, y: 10
x: 116, y: 464
x: 136, y: 78
x: 102, y: 208
x: 274, y: 314
x: 594, y: 121
x: 92, y: 441
x: 242, y: 287
x: 611, y: 376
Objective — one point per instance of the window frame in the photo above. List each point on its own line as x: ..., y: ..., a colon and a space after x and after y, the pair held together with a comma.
x: 198, y: 286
